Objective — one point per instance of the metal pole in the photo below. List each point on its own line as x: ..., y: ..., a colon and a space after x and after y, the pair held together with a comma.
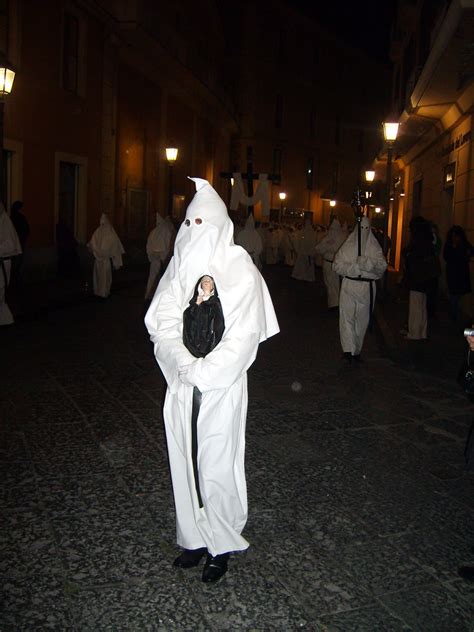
x: 250, y: 177
x: 2, y: 157
x: 170, y: 189
x: 387, y: 211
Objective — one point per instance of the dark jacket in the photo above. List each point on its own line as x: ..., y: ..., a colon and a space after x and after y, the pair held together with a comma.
x: 422, y: 267
x: 457, y: 268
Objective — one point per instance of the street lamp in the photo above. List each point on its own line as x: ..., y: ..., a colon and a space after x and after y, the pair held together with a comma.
x: 369, y: 178
x: 282, y: 196
x: 369, y: 175
x: 390, y: 132
x: 332, y: 203
x: 171, y: 157
x: 7, y: 77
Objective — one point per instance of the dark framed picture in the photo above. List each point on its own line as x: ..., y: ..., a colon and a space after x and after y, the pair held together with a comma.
x: 449, y: 175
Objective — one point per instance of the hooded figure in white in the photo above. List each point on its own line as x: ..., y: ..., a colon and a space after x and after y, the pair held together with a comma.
x: 9, y: 247
x: 107, y: 249
x: 357, y: 297
x: 305, y: 244
x: 327, y: 248
x: 157, y: 249
x: 204, y: 246
x: 251, y: 241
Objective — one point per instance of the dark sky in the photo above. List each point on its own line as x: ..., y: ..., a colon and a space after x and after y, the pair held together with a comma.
x: 364, y: 24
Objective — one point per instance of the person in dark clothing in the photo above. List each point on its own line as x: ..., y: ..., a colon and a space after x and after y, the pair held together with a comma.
x: 457, y: 253
x: 69, y: 264
x: 432, y: 296
x: 22, y: 228
x: 421, y: 273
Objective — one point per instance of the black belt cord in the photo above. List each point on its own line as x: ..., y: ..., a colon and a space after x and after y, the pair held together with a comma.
x: 197, y: 398
x: 4, y: 274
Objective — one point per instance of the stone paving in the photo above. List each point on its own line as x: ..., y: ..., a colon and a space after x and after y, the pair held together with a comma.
x: 360, y: 510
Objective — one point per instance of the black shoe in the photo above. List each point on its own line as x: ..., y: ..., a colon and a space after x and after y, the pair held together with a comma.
x: 215, y: 567
x: 467, y: 573
x: 357, y: 358
x: 347, y: 355
x: 189, y: 558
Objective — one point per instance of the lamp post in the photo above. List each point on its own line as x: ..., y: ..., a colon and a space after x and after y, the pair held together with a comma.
x: 282, y: 196
x: 171, y: 156
x: 369, y: 178
x: 358, y: 206
x: 7, y: 77
x: 390, y: 132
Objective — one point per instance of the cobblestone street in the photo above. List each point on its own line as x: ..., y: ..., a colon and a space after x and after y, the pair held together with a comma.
x: 360, y: 511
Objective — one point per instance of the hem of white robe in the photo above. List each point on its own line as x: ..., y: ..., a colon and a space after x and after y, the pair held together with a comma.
x: 202, y: 545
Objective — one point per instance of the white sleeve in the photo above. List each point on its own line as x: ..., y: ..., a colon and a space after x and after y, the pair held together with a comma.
x: 375, y: 265
x: 344, y: 267
x: 164, y: 322
x: 225, y: 364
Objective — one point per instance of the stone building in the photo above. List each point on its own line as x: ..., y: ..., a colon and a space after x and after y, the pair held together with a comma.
x: 433, y: 98
x: 102, y: 87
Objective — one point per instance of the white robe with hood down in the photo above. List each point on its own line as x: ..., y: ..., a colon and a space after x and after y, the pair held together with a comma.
x: 157, y: 249
x: 204, y: 245
x: 107, y: 249
x: 327, y: 248
x: 354, y: 299
x: 9, y: 247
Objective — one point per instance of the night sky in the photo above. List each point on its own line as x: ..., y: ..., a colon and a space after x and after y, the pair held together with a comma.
x: 365, y: 24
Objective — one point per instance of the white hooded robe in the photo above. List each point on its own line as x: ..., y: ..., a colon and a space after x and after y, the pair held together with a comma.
x: 354, y: 299
x: 107, y: 249
x: 157, y: 249
x: 305, y: 244
x: 9, y: 247
x: 327, y: 248
x: 204, y: 245
x: 249, y: 239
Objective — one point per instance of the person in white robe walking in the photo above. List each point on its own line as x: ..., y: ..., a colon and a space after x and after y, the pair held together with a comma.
x: 107, y: 249
x: 305, y: 244
x: 9, y: 247
x: 157, y: 249
x: 251, y: 241
x: 327, y: 248
x: 204, y: 246
x: 357, y: 297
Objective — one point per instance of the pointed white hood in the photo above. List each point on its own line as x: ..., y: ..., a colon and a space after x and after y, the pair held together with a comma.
x: 331, y: 242
x: 371, y: 263
x: 204, y: 245
x: 105, y: 243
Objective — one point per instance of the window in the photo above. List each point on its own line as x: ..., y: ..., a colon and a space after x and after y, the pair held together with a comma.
x: 277, y: 160
x: 137, y: 212
x: 68, y: 195
x: 337, y: 131
x: 70, y: 52
x: 313, y: 122
x: 4, y: 28
x: 309, y: 173
x: 449, y: 175
x: 281, y: 55
x: 279, y: 111
x: 335, y: 178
